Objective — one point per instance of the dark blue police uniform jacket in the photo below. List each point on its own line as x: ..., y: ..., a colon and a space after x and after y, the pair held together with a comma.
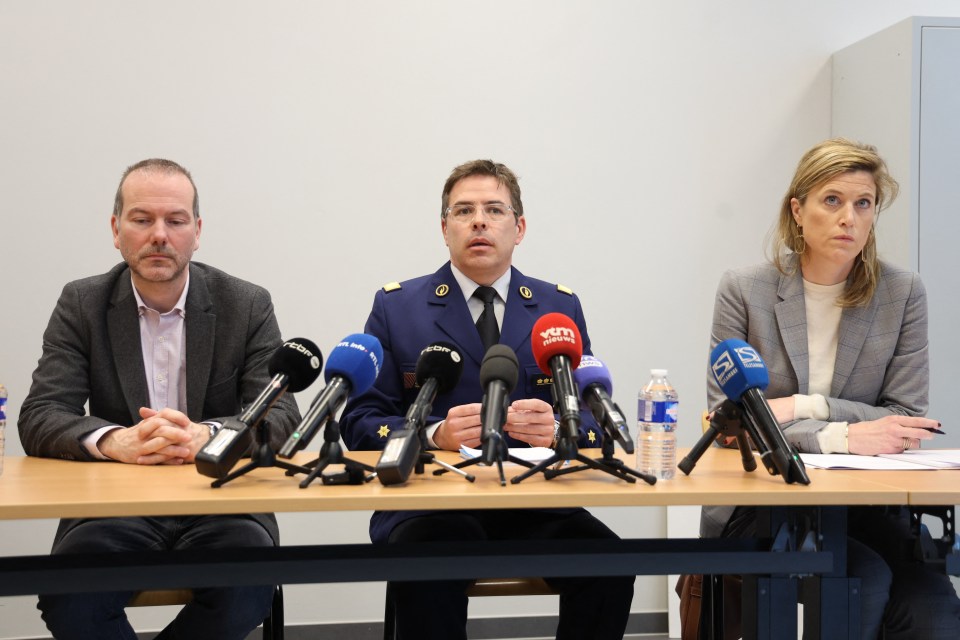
x: 408, y: 317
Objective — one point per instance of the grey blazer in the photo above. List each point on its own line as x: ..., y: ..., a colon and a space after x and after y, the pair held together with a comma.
x: 882, y: 365
x: 92, y: 353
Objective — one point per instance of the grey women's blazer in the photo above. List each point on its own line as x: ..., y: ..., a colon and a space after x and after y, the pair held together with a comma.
x: 882, y: 365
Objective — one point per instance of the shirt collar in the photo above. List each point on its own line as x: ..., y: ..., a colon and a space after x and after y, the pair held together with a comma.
x: 180, y: 307
x: 468, y: 286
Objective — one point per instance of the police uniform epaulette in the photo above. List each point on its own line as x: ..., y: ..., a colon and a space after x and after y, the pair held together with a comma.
x: 565, y: 289
x: 391, y: 286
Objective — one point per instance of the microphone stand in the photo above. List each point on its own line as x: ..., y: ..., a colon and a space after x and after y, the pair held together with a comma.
x: 607, y: 463
x: 263, y: 455
x: 426, y: 457
x: 501, y: 452
x: 782, y: 457
x: 727, y: 422
x: 332, y: 453
x: 566, y: 450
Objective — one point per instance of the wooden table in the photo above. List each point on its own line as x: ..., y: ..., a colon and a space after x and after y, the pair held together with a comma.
x: 47, y: 488
x: 44, y: 488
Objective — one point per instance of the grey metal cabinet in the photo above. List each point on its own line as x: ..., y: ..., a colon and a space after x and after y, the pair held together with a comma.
x: 899, y: 89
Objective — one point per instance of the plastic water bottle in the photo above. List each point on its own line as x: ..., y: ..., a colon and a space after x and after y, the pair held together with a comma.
x: 3, y: 421
x: 656, y: 426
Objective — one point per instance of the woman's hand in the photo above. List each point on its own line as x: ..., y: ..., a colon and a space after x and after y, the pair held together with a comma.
x: 889, y: 434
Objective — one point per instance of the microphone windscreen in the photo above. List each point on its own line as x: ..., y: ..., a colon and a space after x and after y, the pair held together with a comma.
x: 737, y: 367
x: 555, y: 334
x: 500, y: 363
x: 298, y: 359
x: 592, y: 371
x: 357, y: 358
x: 442, y: 361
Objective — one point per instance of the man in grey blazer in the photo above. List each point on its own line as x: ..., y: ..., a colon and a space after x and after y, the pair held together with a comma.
x: 163, y: 350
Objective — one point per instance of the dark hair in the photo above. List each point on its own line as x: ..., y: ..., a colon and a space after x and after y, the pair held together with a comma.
x: 159, y: 165
x: 483, y: 168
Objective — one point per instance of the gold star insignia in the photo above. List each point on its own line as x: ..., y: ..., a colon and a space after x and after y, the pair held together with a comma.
x: 591, y: 436
x: 383, y: 431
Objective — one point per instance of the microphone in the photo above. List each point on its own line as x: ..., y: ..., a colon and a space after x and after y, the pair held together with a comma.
x: 294, y: 367
x: 438, y: 371
x: 557, y: 348
x: 498, y: 377
x: 593, y: 380
x: 353, y: 366
x: 742, y: 376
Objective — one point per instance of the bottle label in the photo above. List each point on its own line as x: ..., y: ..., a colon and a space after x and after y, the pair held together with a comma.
x: 657, y: 411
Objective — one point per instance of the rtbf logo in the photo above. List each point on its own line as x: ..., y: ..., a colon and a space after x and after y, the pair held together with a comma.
x: 749, y: 357
x: 296, y: 346
x: 723, y: 368
x: 442, y: 349
x: 558, y: 334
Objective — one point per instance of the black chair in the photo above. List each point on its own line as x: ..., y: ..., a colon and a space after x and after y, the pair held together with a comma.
x: 482, y: 587
x: 272, y: 624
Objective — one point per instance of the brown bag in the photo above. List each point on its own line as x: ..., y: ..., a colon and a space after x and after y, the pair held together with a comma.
x: 690, y: 590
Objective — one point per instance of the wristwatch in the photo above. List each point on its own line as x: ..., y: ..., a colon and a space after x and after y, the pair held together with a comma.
x: 213, y: 426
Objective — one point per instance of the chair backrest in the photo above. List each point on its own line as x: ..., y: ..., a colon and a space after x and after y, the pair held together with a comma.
x: 481, y: 587
x: 486, y: 587
x: 161, y: 597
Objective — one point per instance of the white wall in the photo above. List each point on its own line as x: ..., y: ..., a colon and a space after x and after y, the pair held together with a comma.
x: 653, y: 141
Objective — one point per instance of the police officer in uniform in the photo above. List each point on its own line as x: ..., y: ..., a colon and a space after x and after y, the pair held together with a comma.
x: 482, y: 221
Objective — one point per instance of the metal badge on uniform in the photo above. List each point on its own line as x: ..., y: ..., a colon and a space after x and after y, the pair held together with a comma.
x: 539, y: 380
x: 525, y: 293
x: 442, y: 290
x: 391, y: 286
x: 564, y: 289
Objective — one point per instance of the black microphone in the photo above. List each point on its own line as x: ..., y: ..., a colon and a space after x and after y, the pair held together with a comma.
x: 593, y: 379
x: 438, y: 371
x: 498, y: 377
x: 353, y: 366
x: 742, y: 376
x: 294, y: 367
x: 557, y: 348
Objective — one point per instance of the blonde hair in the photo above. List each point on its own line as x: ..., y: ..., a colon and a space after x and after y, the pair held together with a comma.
x: 820, y: 164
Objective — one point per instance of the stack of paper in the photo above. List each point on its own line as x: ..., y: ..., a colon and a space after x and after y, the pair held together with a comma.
x: 912, y: 460
x: 530, y: 454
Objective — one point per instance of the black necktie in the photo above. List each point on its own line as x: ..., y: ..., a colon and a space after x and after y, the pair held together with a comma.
x: 487, y: 322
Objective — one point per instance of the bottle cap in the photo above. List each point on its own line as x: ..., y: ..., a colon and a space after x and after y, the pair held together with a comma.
x: 658, y: 373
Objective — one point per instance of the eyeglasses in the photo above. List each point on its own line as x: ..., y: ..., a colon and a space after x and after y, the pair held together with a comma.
x: 496, y: 212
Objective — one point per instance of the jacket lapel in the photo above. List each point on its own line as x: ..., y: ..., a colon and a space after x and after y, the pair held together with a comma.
x: 520, y: 313
x: 123, y: 329
x: 451, y: 314
x: 201, y: 326
x: 791, y: 314
x: 854, y: 325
